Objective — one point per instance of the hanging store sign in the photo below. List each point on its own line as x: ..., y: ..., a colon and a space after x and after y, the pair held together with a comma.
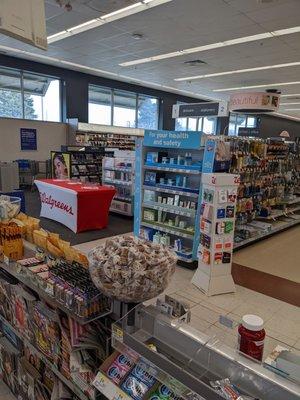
x: 25, y: 22
x: 207, y: 109
x: 254, y: 102
x: 254, y: 132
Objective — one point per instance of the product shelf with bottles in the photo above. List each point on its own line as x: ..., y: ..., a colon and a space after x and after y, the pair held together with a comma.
x: 269, y: 177
x: 167, y: 187
x: 118, y: 171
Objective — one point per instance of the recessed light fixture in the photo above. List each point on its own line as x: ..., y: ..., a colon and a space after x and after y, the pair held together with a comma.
x: 238, y: 71
x: 105, y: 19
x: 231, y: 42
x: 257, y: 86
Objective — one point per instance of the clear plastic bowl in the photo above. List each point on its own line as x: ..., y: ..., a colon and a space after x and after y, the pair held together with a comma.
x: 16, y: 205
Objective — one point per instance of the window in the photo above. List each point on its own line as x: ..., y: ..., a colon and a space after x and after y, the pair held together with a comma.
x: 10, y: 94
x: 99, y: 105
x: 41, y: 97
x: 121, y: 108
x: 148, y: 108
x: 237, y: 121
x: 124, y: 111
x: 29, y: 96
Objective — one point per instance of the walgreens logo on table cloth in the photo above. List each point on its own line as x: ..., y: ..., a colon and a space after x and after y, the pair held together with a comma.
x: 59, y: 204
x: 55, y: 203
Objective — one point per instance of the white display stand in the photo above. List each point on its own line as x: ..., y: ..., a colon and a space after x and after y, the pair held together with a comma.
x: 219, y: 192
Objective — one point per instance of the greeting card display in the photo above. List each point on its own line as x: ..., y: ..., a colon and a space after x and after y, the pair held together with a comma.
x: 217, y: 217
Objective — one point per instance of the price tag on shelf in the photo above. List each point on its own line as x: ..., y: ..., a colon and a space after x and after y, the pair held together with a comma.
x: 101, y: 381
x: 119, y: 395
x: 117, y: 333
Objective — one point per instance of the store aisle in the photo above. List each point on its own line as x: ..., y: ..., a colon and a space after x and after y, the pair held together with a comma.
x: 207, y: 310
x: 279, y: 255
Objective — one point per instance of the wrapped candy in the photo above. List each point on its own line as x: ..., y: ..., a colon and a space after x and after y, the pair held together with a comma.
x: 131, y: 269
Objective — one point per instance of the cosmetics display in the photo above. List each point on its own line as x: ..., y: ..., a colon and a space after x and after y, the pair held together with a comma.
x: 217, y: 219
x: 167, y: 185
x: 269, y: 172
x: 11, y: 243
x: 118, y: 171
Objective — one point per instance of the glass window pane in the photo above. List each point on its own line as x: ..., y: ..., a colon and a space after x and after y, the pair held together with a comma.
x: 181, y: 124
x: 192, y: 124
x: 99, y: 105
x: 251, y: 122
x: 41, y: 97
x: 10, y: 94
x: 231, y: 129
x: 209, y: 125
x: 147, y: 112
x: 124, y: 109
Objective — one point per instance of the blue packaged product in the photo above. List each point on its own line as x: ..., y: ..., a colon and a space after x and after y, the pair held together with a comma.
x: 141, y: 372
x: 124, y: 361
x: 154, y: 397
x: 134, y: 388
x: 165, y: 393
x: 116, y: 373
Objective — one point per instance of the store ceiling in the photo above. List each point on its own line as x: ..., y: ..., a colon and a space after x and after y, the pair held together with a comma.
x: 172, y: 26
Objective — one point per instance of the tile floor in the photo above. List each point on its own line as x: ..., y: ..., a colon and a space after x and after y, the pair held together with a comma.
x: 282, y: 320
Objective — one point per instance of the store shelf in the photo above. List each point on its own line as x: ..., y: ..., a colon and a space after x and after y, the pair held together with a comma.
x: 120, y: 169
x: 34, y: 350
x: 120, y: 198
x: 165, y: 228
x: 182, y: 170
x: 174, y: 190
x: 108, y: 388
x: 264, y: 235
x: 279, y: 213
x: 117, y: 182
x: 170, y: 209
x: 49, y: 299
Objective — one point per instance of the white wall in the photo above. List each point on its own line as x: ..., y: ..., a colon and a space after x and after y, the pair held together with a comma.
x: 50, y: 136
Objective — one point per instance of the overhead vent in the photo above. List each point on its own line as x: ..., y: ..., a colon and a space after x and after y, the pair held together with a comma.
x: 194, y: 63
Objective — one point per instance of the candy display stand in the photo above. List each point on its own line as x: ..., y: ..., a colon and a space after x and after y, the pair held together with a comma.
x: 217, y: 218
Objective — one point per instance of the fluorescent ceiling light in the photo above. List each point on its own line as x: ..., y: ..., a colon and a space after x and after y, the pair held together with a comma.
x: 268, y: 85
x: 231, y: 42
x: 281, y: 115
x: 105, y: 19
x: 89, y: 70
x: 290, y: 95
x: 290, y: 104
x: 238, y: 71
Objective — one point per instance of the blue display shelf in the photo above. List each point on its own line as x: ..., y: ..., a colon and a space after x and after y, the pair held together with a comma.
x: 175, y: 209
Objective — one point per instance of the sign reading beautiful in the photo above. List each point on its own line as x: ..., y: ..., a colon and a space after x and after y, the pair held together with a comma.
x: 254, y: 102
x: 171, y: 139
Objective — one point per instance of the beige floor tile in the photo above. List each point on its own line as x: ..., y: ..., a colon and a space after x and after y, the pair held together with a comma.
x: 223, y: 337
x: 194, y: 296
x: 290, y: 312
x: 297, y: 345
x: 284, y: 326
x: 227, y: 302
x: 184, y: 300
x: 199, y: 323
x: 205, y: 313
x: 289, y: 341
x: 236, y: 321
x: 265, y: 312
x: 216, y: 309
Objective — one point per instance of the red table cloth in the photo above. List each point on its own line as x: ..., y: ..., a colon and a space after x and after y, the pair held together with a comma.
x: 79, y: 206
